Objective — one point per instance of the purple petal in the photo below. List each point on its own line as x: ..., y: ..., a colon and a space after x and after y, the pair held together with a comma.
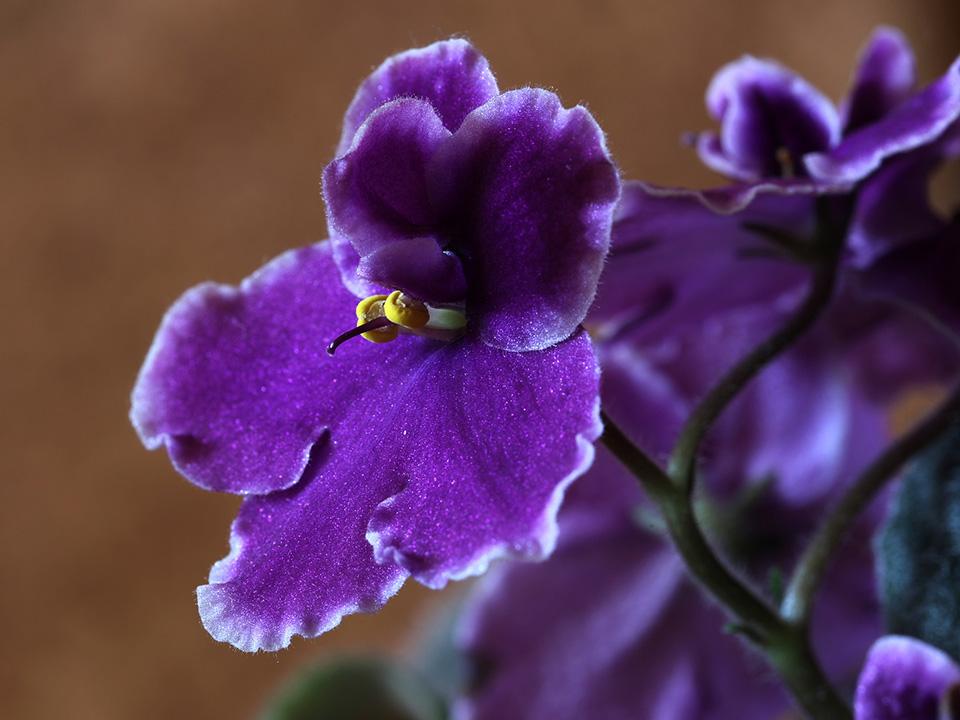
x: 475, y: 489
x: 904, y: 679
x: 916, y: 122
x: 763, y: 109
x: 401, y: 449
x: 607, y: 627
x: 238, y: 385
x: 378, y: 200
x: 884, y: 78
x: 450, y: 75
x: 847, y: 617
x: 802, y: 421
x: 298, y: 561
x: 924, y: 275
x: 530, y: 190
x: 674, y: 261
x: 417, y: 266
x: 893, y: 207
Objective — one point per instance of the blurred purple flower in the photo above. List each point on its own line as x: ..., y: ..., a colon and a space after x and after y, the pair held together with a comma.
x: 649, y: 297
x: 778, y: 133
x: 487, y: 215
x: 906, y: 679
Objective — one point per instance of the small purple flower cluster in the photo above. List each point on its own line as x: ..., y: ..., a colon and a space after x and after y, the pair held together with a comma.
x: 468, y: 231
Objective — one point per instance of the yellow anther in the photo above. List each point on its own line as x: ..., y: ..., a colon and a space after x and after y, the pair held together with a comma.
x: 367, y: 310
x: 404, y: 310
x: 371, y: 308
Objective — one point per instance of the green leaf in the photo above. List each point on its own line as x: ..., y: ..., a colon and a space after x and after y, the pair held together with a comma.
x: 357, y: 689
x: 919, y: 550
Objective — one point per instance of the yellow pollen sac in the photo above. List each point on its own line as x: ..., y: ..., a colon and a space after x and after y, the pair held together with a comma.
x: 371, y: 308
x: 404, y: 310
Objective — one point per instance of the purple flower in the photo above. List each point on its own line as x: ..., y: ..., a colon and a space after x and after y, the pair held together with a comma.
x: 778, y: 133
x: 906, y: 679
x: 473, y: 225
x: 775, y: 124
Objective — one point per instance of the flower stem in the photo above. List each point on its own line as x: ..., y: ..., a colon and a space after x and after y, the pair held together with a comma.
x: 786, y: 648
x: 798, y: 600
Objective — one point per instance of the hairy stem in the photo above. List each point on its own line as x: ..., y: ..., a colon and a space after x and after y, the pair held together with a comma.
x: 801, y: 592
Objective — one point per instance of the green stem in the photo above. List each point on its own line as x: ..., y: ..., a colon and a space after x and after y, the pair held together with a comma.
x: 678, y: 514
x: 801, y: 592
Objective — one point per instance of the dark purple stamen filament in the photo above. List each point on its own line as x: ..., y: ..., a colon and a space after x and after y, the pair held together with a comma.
x: 375, y: 324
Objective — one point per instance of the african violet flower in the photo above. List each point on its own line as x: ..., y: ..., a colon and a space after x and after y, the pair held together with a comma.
x: 778, y: 133
x: 472, y: 224
x: 906, y: 679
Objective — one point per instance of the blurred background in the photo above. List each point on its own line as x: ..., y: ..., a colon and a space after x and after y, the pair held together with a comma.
x: 147, y: 145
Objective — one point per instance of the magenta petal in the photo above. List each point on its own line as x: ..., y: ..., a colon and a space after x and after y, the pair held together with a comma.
x: 918, y: 121
x: 299, y: 560
x: 485, y: 445
x: 530, y: 189
x: 450, y: 75
x: 238, y: 385
x: 417, y: 266
x: 884, y: 78
x: 763, y: 108
x: 904, y: 679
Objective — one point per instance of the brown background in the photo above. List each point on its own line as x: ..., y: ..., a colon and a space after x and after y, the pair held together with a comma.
x: 146, y: 145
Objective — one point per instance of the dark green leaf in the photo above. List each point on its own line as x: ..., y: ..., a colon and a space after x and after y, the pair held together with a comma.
x: 357, y: 689
x: 919, y: 550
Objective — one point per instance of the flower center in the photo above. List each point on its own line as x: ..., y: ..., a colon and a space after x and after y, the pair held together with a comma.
x: 381, y: 318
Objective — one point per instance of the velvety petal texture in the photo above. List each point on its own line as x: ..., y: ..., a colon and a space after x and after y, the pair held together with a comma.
x: 516, y: 194
x: 770, y: 118
x: 449, y: 75
x: 385, y: 445
x: 532, y: 191
x: 905, y: 679
x: 237, y: 382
